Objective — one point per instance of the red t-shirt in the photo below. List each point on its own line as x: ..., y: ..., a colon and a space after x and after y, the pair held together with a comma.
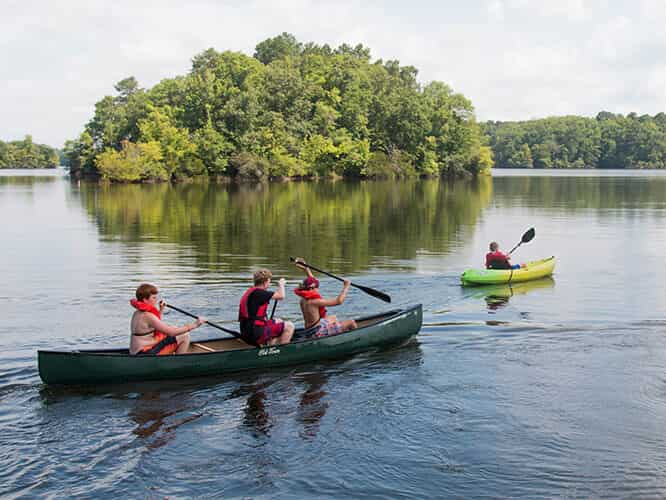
x: 494, y: 256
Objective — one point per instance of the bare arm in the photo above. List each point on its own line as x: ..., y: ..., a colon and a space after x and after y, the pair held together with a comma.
x: 301, y: 263
x: 173, y: 331
x: 280, y: 293
x: 332, y: 302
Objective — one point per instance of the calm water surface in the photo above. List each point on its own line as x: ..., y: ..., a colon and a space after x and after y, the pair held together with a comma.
x: 550, y: 389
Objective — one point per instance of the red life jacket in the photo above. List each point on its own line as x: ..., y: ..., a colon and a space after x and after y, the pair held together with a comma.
x: 311, y: 295
x: 243, y: 313
x: 143, y: 307
x: 497, y: 260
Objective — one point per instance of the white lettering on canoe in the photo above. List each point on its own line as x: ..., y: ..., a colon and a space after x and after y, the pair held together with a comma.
x: 268, y: 351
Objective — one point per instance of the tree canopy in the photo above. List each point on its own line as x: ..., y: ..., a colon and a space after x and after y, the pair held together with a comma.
x: 293, y: 109
x: 27, y: 154
x: 607, y: 141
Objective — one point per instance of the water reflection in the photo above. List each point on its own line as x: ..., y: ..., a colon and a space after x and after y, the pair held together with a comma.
x: 255, y: 416
x: 312, y: 407
x: 350, y: 223
x: 498, y: 296
x: 576, y: 193
x: 157, y: 416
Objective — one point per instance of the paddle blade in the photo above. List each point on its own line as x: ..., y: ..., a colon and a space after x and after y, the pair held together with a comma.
x: 375, y: 293
x: 528, y: 236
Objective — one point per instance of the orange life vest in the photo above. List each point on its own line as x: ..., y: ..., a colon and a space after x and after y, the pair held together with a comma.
x: 311, y: 295
x: 143, y: 307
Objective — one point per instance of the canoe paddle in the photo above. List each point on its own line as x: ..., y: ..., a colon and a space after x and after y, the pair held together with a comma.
x: 527, y: 237
x: 370, y: 291
x: 235, y: 334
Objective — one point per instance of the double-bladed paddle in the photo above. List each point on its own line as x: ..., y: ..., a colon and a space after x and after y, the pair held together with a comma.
x: 370, y: 291
x: 527, y: 237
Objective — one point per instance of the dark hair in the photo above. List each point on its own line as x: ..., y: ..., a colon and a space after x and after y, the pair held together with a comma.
x: 145, y: 290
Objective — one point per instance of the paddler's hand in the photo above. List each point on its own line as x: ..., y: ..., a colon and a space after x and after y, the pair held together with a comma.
x: 201, y: 320
x: 282, y: 282
x: 346, y: 283
x: 162, y: 305
x: 300, y: 262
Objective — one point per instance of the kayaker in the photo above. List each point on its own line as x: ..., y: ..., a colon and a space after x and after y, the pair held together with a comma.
x: 497, y: 260
x: 149, y: 334
x: 256, y: 329
x: 313, y: 305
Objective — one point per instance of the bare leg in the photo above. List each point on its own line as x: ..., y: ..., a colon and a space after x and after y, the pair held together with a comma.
x: 287, y: 333
x: 184, y: 343
x: 348, y: 324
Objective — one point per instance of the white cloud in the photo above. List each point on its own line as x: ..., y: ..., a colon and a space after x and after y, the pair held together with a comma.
x: 515, y: 59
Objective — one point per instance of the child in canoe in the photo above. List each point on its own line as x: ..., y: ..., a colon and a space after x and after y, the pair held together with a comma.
x: 313, y: 305
x: 150, y: 335
x: 255, y: 326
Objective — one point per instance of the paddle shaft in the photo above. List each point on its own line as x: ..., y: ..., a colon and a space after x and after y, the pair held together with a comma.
x: 370, y: 291
x: 226, y: 330
x: 515, y: 248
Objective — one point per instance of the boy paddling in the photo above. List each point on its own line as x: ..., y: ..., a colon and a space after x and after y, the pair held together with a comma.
x: 313, y: 305
x: 256, y: 329
x: 497, y: 260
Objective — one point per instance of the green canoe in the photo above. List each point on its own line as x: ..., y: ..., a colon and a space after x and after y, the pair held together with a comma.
x: 532, y: 271
x: 226, y: 355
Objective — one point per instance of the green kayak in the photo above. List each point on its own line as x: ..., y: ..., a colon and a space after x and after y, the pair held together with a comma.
x: 532, y: 271
x: 226, y: 355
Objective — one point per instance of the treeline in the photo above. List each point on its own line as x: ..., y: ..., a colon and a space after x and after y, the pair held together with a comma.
x: 292, y: 109
x: 607, y: 141
x: 27, y: 154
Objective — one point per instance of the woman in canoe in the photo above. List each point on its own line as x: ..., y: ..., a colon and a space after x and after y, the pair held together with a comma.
x: 150, y: 335
x: 255, y: 326
x: 497, y: 260
x: 313, y: 305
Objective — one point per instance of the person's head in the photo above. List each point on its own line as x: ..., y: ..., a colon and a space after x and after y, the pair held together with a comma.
x: 309, y: 283
x: 262, y: 278
x: 147, y: 293
x: 494, y: 246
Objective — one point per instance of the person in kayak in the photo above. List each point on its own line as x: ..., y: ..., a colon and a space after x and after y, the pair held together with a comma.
x: 313, y: 305
x: 497, y: 260
x: 256, y: 329
x: 149, y: 334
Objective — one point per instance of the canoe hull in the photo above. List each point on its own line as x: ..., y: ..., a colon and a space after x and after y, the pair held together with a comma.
x: 534, y: 271
x: 117, y: 366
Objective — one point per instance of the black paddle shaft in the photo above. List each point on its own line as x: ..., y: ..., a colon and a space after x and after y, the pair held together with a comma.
x: 370, y: 291
x: 232, y: 332
x: 527, y: 237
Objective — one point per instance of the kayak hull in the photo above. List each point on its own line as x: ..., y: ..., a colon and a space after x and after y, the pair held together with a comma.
x: 230, y: 354
x: 533, y: 271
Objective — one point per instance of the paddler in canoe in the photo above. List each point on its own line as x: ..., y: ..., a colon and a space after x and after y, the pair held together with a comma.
x: 150, y: 336
x: 313, y: 305
x: 255, y: 326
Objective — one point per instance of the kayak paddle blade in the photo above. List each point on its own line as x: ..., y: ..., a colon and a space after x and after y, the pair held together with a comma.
x: 528, y: 236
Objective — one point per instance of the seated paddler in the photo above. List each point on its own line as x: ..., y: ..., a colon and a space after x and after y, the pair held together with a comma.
x: 255, y: 326
x: 150, y: 335
x: 313, y: 305
x: 495, y: 259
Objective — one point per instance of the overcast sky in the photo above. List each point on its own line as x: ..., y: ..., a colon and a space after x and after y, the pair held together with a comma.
x: 515, y: 59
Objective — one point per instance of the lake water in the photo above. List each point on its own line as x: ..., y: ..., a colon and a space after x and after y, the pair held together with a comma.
x: 550, y: 389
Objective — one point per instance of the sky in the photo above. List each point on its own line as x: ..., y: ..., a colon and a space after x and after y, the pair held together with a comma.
x: 515, y: 59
